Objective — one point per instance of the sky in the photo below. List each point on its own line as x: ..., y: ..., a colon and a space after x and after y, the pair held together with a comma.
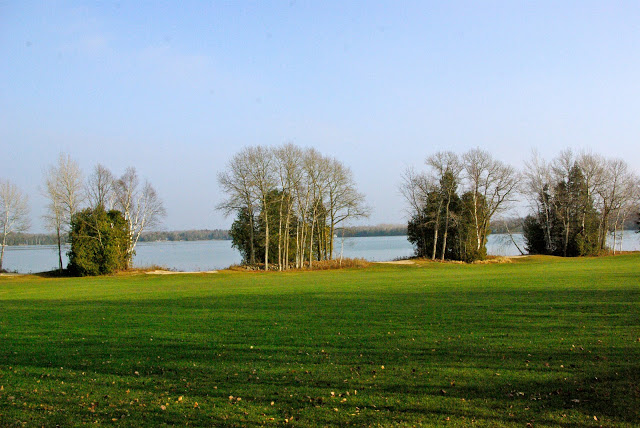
x: 175, y: 89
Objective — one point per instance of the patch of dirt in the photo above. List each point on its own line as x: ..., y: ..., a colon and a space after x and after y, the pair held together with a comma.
x: 170, y: 272
x: 399, y: 262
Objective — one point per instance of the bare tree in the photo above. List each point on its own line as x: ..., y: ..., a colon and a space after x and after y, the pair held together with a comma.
x: 303, y: 202
x: 344, y: 202
x: 491, y: 182
x: 142, y: 208
x: 537, y: 187
x: 415, y: 188
x: 289, y: 174
x: 317, y: 176
x: 617, y: 196
x: 14, y: 213
x: 100, y: 188
x: 261, y: 171
x: 64, y: 189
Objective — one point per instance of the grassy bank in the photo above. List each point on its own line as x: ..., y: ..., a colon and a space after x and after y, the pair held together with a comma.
x: 540, y: 341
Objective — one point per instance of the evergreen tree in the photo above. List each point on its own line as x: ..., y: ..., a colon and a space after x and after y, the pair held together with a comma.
x: 99, y: 242
x: 242, y: 234
x: 534, y: 236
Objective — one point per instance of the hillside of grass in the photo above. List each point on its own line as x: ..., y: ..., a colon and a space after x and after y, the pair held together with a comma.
x: 541, y: 341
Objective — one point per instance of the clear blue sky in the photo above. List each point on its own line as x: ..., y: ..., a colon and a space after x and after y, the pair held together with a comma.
x: 176, y: 88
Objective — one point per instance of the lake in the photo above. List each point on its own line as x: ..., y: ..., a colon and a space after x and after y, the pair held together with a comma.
x: 210, y: 255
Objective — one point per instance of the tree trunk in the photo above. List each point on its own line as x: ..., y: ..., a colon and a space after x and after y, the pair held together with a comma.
x: 59, y: 249
x: 331, y: 232
x: 435, y: 235
x: 4, y: 242
x: 311, y: 242
x: 287, y: 225
x: 266, y: 243
x: 252, y: 250
x: 446, y: 228
x: 280, y: 234
x: 566, y: 239
x: 513, y: 240
x: 298, y: 252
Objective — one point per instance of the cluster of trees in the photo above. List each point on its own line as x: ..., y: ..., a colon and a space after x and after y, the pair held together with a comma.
x: 288, y: 202
x: 578, y: 201
x: 445, y: 224
x: 104, y: 216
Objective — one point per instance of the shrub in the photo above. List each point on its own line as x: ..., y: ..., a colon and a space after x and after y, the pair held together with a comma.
x: 98, y: 242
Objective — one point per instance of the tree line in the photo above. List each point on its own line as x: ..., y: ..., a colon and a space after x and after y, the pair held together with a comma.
x: 288, y: 202
x: 378, y: 230
x: 23, y: 238
x: 186, y: 235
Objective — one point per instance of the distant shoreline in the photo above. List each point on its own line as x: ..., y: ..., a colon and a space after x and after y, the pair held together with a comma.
x: 27, y: 239
x: 21, y: 239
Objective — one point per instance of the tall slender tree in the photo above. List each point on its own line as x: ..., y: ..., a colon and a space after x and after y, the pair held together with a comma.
x: 65, y: 192
x: 492, y: 185
x: 142, y: 207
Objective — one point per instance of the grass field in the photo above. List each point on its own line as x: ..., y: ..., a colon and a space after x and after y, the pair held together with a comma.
x: 541, y: 341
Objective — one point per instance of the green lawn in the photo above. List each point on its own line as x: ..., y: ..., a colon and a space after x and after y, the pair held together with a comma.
x: 544, y: 341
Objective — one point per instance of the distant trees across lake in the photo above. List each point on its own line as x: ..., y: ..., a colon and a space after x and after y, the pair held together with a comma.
x: 514, y: 225
x: 379, y: 230
x: 187, y: 235
x: 178, y: 235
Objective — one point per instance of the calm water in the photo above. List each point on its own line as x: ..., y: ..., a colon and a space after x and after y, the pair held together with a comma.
x: 209, y: 255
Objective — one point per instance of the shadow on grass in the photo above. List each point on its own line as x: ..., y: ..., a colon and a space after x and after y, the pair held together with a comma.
x: 478, y: 355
